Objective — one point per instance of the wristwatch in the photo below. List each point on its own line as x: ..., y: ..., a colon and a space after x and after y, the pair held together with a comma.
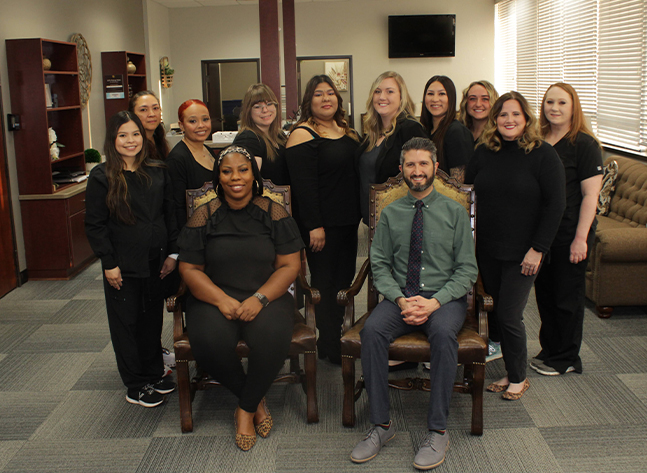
x: 264, y: 300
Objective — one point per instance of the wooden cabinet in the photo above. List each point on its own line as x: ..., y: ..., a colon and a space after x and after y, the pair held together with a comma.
x: 45, y: 205
x: 114, y: 69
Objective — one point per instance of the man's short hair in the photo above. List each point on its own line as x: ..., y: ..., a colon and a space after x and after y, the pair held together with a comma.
x: 418, y: 143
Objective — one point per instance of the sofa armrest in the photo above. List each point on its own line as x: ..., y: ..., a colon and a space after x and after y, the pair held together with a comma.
x: 622, y: 244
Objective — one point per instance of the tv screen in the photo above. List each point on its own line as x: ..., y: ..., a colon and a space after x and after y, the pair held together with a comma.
x: 422, y: 36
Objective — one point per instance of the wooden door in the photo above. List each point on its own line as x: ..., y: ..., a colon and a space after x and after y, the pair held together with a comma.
x: 8, y: 263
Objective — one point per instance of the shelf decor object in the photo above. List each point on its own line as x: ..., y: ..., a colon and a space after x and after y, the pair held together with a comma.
x: 166, y: 73
x: 119, y: 84
x: 85, y: 67
x: 53, y: 211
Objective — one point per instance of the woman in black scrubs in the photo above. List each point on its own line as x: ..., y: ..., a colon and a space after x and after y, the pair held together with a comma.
x: 320, y: 155
x: 130, y: 224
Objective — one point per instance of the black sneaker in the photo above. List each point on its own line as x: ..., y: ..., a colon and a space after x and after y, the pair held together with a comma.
x: 164, y: 386
x: 145, y: 396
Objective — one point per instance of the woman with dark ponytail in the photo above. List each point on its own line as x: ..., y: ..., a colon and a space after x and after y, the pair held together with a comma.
x: 146, y: 106
x: 130, y: 224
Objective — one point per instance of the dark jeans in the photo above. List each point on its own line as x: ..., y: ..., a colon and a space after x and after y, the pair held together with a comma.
x: 510, y: 290
x: 214, y: 339
x: 332, y: 269
x: 384, y: 325
x: 560, y: 289
x: 135, y: 316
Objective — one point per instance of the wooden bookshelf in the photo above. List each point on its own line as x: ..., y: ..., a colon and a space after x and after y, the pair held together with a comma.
x: 115, y: 64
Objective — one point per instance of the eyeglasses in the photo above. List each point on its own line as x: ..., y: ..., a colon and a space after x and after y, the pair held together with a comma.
x: 261, y: 105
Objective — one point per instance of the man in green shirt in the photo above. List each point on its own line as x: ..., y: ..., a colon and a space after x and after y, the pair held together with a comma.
x: 424, y: 289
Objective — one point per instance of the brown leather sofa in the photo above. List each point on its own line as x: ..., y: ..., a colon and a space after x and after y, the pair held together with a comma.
x: 617, y: 270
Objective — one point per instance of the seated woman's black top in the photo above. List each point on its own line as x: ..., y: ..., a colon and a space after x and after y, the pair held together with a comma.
x: 238, y: 248
x: 275, y: 169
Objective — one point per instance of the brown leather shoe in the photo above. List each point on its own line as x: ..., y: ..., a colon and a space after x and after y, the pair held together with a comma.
x: 508, y: 396
x: 497, y: 388
x: 243, y: 441
x: 264, y: 427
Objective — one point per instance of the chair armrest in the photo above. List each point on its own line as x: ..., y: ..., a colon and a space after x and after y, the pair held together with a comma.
x: 346, y: 297
x: 174, y: 304
x: 312, y: 297
x: 172, y: 301
x: 622, y: 244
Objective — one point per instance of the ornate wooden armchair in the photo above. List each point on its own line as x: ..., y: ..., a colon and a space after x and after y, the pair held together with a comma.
x: 304, y: 340
x: 472, y: 339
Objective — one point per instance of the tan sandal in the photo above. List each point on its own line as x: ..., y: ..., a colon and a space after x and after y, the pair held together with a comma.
x: 508, y: 396
x: 265, y: 426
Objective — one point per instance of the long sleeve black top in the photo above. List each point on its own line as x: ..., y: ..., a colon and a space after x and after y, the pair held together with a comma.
x: 154, y: 233
x: 520, y: 199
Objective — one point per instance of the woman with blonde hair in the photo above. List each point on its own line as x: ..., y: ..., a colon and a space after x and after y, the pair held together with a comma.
x: 475, y: 107
x: 519, y: 184
x: 560, y: 285
x: 388, y: 123
x: 260, y: 132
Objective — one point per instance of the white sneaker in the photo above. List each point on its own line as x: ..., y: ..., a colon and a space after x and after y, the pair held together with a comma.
x: 493, y: 351
x: 169, y: 358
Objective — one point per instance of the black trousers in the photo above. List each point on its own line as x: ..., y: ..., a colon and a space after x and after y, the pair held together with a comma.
x: 135, y: 316
x: 332, y: 269
x: 510, y: 290
x: 214, y: 339
x: 560, y: 291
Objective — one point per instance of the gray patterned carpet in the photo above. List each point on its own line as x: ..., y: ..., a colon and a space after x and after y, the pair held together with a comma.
x: 62, y: 406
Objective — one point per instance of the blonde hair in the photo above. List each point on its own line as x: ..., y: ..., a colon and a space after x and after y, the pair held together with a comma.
x: 464, y: 117
x: 529, y: 140
x: 372, y: 124
x: 578, y: 121
x: 274, y: 138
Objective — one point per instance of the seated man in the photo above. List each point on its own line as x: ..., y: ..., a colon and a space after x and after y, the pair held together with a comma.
x: 423, y: 262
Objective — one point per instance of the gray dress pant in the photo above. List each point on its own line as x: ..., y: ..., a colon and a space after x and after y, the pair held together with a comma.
x: 385, y: 325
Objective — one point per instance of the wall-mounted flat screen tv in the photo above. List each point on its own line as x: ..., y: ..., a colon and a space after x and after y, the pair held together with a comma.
x: 422, y: 36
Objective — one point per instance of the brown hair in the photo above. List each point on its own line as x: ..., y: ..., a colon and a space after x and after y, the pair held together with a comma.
x: 117, y: 198
x: 306, y: 106
x: 530, y: 138
x: 372, y: 123
x: 255, y: 94
x: 578, y: 121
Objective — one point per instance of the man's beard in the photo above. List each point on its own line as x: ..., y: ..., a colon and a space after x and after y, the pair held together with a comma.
x: 423, y: 186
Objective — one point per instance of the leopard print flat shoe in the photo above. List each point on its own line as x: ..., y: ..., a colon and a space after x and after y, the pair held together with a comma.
x: 265, y: 426
x: 243, y: 441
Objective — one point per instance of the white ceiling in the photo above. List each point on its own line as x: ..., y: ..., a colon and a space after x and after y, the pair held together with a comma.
x: 217, y: 3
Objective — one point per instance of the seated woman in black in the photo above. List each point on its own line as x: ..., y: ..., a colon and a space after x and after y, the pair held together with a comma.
x: 238, y: 255
x: 260, y: 132
x: 453, y: 140
x: 130, y: 224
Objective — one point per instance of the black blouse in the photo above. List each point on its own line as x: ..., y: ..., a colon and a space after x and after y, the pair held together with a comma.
x: 238, y: 247
x: 275, y: 169
x: 324, y: 180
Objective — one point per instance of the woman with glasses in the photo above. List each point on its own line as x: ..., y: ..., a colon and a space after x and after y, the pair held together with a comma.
x: 260, y: 132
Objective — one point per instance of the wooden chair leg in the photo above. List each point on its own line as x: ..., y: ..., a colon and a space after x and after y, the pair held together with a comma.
x: 310, y: 362
x: 348, y: 375
x: 478, y: 381
x: 604, y: 312
x: 184, y: 395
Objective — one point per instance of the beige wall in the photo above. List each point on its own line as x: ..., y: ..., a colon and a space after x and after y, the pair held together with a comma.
x: 357, y: 28
x: 107, y: 25
x: 231, y: 85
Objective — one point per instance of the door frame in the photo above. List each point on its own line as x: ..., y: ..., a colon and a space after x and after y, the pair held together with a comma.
x: 351, y: 116
x: 205, y: 63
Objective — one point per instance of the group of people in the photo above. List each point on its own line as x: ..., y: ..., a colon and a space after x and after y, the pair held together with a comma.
x: 536, y: 182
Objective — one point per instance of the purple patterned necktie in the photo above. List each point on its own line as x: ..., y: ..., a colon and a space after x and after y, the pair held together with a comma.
x: 415, y: 253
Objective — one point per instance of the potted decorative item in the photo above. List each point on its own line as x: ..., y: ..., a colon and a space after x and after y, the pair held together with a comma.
x: 47, y: 64
x: 53, y: 145
x: 166, y: 73
x: 130, y: 67
x: 92, y: 158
